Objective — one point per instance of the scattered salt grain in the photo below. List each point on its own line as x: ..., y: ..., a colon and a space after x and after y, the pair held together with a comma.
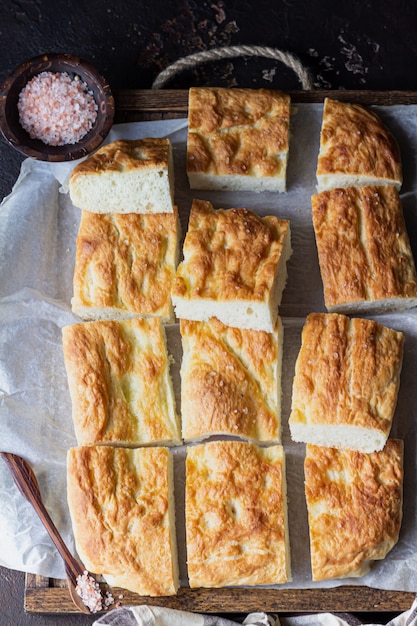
x: 90, y: 593
x: 56, y: 108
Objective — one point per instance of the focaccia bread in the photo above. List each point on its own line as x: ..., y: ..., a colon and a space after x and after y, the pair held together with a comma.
x: 123, y: 516
x: 126, y: 176
x: 234, y: 267
x: 354, y: 503
x: 365, y: 257
x: 347, y: 377
x: 356, y: 148
x: 238, y: 139
x: 230, y: 381
x: 236, y: 515
x: 119, y: 381
x: 125, y: 265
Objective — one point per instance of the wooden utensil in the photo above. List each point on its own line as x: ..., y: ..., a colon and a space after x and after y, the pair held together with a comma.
x: 28, y: 486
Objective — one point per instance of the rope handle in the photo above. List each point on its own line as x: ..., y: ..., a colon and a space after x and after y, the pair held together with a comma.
x: 227, y: 52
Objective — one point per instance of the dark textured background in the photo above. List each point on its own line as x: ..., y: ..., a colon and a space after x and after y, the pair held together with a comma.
x: 346, y: 45
x: 352, y: 45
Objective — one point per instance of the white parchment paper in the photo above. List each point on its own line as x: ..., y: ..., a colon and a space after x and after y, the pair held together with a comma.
x: 38, y: 228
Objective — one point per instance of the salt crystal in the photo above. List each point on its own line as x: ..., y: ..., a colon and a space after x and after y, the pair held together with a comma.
x: 56, y: 109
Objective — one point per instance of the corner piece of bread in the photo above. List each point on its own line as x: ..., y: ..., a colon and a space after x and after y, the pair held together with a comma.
x: 230, y: 381
x: 234, y: 267
x: 125, y: 265
x: 354, y: 504
x: 126, y: 176
x: 365, y: 257
x: 123, y: 516
x: 119, y: 382
x: 356, y: 148
x: 238, y: 139
x: 346, y: 383
x: 236, y: 515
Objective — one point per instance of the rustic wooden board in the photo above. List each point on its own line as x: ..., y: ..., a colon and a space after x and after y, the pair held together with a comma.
x: 137, y: 105
x: 45, y: 595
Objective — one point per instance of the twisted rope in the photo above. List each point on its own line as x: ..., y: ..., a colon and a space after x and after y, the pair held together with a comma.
x: 227, y: 52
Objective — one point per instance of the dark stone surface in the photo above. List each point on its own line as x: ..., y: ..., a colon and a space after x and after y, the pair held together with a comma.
x: 352, y: 45
x: 346, y: 45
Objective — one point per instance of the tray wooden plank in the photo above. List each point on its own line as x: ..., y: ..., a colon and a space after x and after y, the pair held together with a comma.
x: 45, y: 595
x: 145, y: 104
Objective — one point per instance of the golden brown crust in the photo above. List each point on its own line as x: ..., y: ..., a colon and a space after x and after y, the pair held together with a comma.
x: 353, y: 140
x: 125, y: 155
x: 237, y: 131
x: 118, y: 376
x: 229, y: 254
x: 354, y: 505
x: 230, y: 381
x: 347, y: 374
x: 121, y: 514
x: 125, y: 264
x: 363, y: 247
x: 235, y: 518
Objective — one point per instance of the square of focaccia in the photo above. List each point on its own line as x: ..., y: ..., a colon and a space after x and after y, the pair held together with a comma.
x: 234, y: 267
x: 365, y: 257
x: 354, y: 503
x: 126, y: 176
x: 122, y: 510
x: 238, y: 139
x: 347, y: 377
x: 125, y: 265
x: 119, y: 381
x: 230, y: 381
x: 236, y: 515
x: 356, y: 148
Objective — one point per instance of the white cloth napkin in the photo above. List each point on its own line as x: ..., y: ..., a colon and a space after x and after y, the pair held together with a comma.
x: 145, y: 615
x: 158, y: 616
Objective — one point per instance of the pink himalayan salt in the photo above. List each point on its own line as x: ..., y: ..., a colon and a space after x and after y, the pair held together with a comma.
x: 56, y: 109
x: 89, y: 591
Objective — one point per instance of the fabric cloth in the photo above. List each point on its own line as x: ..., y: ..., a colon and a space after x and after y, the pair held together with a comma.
x: 145, y: 615
x: 159, y: 616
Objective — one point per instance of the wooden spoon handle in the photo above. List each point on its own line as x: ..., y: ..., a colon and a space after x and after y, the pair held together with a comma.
x: 28, y: 486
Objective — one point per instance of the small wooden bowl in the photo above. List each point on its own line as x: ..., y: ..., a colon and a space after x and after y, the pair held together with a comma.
x: 17, y: 137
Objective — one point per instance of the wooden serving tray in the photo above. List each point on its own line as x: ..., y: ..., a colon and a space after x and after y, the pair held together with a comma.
x: 46, y: 595
x: 144, y: 104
